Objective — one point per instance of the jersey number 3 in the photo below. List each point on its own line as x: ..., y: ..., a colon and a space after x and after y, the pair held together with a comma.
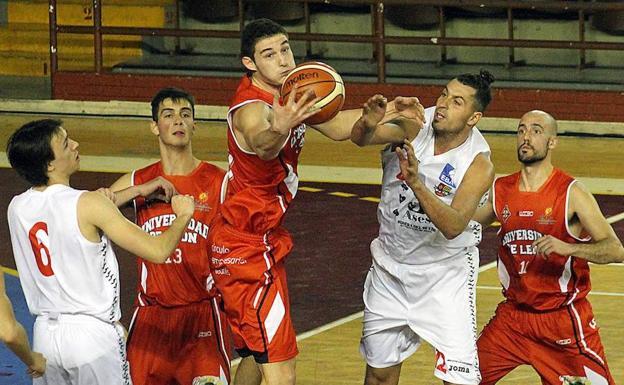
x: 38, y: 236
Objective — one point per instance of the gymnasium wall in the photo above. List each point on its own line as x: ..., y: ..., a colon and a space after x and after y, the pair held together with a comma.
x: 599, y: 106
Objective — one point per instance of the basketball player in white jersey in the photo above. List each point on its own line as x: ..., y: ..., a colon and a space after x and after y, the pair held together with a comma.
x: 67, y: 266
x: 421, y: 285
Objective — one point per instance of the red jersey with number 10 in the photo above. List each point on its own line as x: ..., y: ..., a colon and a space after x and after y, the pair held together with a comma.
x: 185, y: 277
x: 259, y: 191
x: 530, y: 281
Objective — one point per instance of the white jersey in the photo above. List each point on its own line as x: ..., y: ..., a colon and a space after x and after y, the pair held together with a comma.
x: 61, y: 271
x: 406, y: 234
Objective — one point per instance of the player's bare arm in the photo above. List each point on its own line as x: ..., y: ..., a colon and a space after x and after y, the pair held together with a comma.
x: 158, y: 188
x: 382, y: 122
x: 96, y: 212
x: 264, y: 130
x: 485, y: 214
x: 450, y: 220
x: 12, y: 333
x: 605, y: 247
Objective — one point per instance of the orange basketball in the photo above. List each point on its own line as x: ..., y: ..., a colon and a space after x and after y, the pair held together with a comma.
x: 326, y: 84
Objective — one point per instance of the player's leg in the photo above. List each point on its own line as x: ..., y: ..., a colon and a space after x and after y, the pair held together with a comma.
x: 150, y: 346
x: 44, y: 342
x: 443, y: 312
x: 382, y: 376
x: 94, y: 352
x: 501, y: 346
x: 248, y: 372
x: 204, y: 356
x: 570, y: 351
x: 386, y: 339
x: 279, y: 373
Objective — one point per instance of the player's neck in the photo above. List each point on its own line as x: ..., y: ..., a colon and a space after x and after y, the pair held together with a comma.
x: 258, y: 82
x: 533, y: 176
x: 446, y: 141
x: 178, y: 160
x: 54, y: 179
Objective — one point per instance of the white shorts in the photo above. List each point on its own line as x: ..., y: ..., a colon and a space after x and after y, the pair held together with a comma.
x: 81, y: 350
x: 435, y: 303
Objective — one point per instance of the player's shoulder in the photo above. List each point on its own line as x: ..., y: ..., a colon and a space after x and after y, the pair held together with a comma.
x: 211, y: 170
x: 507, y: 180
x: 148, y: 172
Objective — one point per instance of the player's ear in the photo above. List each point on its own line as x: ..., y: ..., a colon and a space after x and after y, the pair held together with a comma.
x: 552, y: 142
x: 249, y: 63
x: 474, y: 118
x: 154, y: 127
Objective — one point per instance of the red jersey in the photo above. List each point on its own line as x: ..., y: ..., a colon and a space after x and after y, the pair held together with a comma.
x: 185, y: 277
x: 259, y: 191
x: 530, y: 281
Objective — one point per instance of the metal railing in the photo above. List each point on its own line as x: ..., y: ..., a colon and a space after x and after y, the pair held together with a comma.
x: 378, y: 38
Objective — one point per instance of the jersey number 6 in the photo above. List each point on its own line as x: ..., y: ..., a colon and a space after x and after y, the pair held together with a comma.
x: 42, y: 253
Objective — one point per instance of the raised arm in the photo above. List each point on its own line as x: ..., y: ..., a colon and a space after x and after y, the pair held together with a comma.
x: 14, y: 336
x: 584, y: 212
x: 122, y: 191
x: 450, y: 220
x: 95, y: 211
x: 264, y: 130
x: 382, y: 122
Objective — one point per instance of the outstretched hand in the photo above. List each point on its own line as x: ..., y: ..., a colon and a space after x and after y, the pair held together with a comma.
x: 408, y: 163
x: 296, y: 109
x: 373, y: 111
x: 406, y: 108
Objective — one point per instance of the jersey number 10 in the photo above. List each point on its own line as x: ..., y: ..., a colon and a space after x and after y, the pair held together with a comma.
x: 39, y: 247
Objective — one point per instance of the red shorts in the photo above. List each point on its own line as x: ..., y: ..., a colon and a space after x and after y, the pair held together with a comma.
x: 179, y: 344
x: 560, y: 344
x: 249, y: 273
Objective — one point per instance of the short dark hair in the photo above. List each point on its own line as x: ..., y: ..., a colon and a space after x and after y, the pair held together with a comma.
x: 481, y: 83
x: 175, y: 94
x: 29, y: 149
x: 256, y: 30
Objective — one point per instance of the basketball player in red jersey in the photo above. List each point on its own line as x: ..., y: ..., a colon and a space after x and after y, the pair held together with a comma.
x: 178, y: 335
x: 248, y: 243
x: 551, y: 227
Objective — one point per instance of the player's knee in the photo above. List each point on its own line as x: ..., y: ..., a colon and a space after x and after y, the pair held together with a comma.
x: 382, y: 376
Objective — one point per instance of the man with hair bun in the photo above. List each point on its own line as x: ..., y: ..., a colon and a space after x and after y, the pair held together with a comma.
x: 422, y: 283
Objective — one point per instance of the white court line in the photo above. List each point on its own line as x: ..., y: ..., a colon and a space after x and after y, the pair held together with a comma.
x: 616, y: 218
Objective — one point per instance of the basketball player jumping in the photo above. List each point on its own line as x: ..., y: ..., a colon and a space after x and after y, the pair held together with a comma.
x: 248, y: 243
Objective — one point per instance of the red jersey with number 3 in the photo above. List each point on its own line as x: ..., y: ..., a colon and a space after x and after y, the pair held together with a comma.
x: 259, y: 191
x: 528, y: 280
x: 185, y: 277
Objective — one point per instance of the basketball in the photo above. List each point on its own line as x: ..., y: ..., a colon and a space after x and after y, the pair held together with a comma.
x: 326, y: 84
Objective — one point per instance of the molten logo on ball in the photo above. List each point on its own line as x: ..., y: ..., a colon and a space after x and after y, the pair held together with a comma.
x: 300, y: 77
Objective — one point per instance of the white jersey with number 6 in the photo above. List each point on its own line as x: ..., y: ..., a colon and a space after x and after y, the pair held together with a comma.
x: 61, y: 271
